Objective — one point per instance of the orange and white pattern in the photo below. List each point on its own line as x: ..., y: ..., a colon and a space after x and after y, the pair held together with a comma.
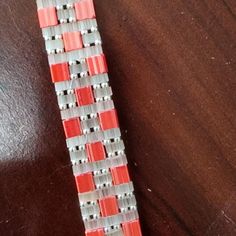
x: 79, y: 72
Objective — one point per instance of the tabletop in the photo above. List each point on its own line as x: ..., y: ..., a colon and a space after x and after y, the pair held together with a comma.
x: 172, y: 69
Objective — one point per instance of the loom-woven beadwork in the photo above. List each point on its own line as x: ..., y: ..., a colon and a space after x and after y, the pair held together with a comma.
x: 79, y: 72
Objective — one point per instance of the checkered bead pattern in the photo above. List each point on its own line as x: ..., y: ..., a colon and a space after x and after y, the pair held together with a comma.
x: 79, y: 72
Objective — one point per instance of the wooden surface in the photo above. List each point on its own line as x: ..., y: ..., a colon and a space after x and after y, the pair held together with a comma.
x: 172, y: 68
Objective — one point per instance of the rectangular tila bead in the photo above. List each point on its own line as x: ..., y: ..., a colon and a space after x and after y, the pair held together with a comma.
x: 79, y: 72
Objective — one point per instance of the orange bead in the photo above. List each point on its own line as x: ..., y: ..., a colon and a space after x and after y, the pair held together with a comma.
x: 84, y: 96
x: 72, y: 128
x: 108, y: 120
x: 95, y: 151
x: 108, y: 206
x: 132, y: 228
x: 97, y: 65
x: 47, y: 17
x: 84, y: 9
x: 72, y: 41
x: 120, y: 175
x: 60, y: 72
x: 97, y: 232
x: 84, y: 183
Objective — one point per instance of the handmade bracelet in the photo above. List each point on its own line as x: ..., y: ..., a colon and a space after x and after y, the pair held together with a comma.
x: 79, y: 72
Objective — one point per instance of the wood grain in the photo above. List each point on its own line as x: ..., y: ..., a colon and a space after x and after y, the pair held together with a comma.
x: 172, y: 69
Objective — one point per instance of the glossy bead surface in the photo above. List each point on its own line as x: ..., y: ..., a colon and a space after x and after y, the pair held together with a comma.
x: 95, y: 151
x: 84, y: 96
x: 120, y: 175
x: 60, y: 72
x: 98, y: 232
x: 72, y: 128
x: 108, y: 206
x: 97, y: 64
x: 132, y: 228
x: 72, y: 41
x: 85, y: 10
x: 85, y: 183
x: 47, y: 17
x: 108, y: 120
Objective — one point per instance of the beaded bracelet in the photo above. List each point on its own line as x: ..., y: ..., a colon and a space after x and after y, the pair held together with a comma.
x: 79, y: 72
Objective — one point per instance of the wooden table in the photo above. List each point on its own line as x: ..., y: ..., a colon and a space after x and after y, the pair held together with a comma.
x: 172, y: 68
